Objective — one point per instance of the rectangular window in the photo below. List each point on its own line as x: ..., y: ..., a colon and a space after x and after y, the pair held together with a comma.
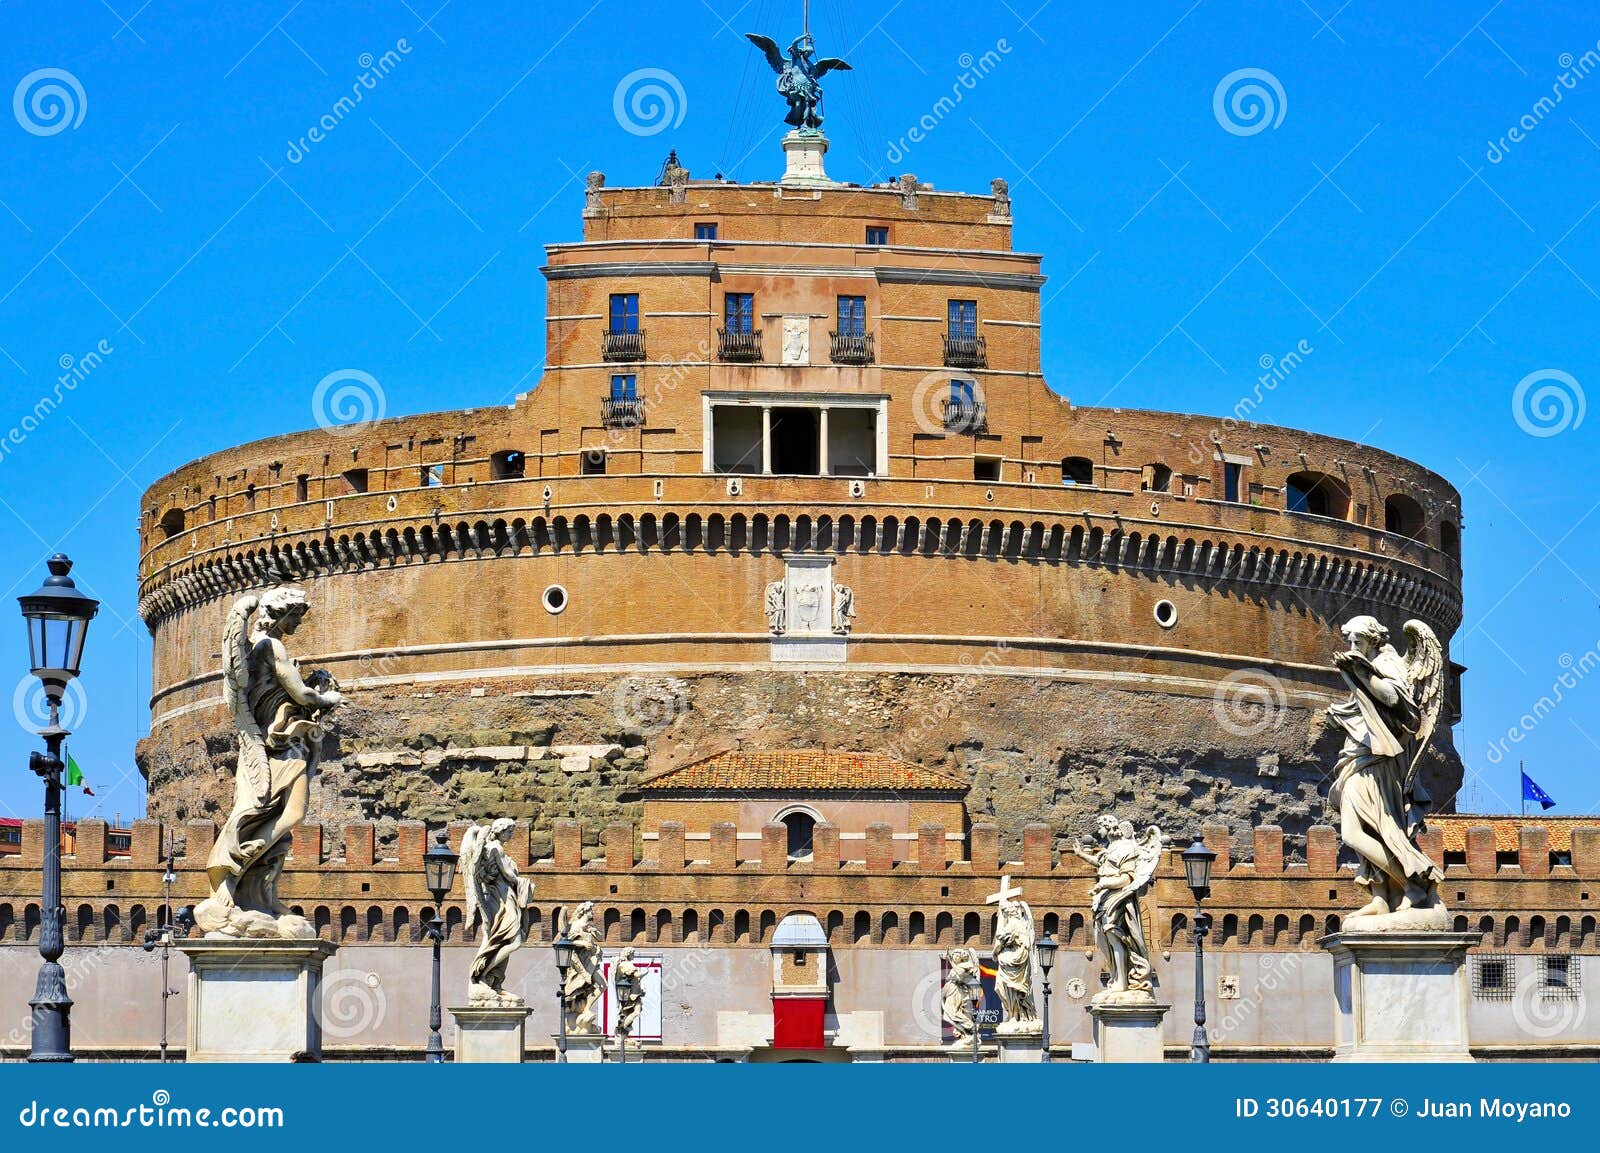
x: 355, y: 480
x: 302, y: 486
x: 852, y: 316
x: 963, y: 319
x: 705, y: 231
x: 986, y: 468
x: 624, y: 312
x: 625, y: 387
x: 877, y: 234
x: 1560, y: 976
x: 432, y: 475
x: 1230, y: 480
x: 592, y: 462
x: 962, y: 393
x: 739, y: 311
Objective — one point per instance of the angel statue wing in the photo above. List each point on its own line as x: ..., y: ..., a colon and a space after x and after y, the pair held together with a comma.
x: 1150, y: 844
x: 769, y: 47
x: 1425, y: 677
x: 472, y: 842
x: 832, y: 64
x: 253, y: 766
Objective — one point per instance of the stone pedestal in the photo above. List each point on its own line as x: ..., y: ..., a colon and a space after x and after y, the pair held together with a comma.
x: 802, y: 154
x: 586, y: 1048
x: 255, y: 1000
x: 1128, y: 1033
x: 1400, y: 995
x: 1020, y: 1048
x: 490, y: 1034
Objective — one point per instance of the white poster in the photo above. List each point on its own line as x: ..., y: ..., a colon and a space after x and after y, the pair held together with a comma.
x: 648, y: 1027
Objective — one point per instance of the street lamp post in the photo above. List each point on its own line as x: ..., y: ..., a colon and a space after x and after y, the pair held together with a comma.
x: 625, y: 983
x: 162, y: 935
x: 439, y: 869
x: 974, y: 983
x: 563, y: 952
x: 1197, y: 861
x: 1046, y: 946
x: 58, y: 617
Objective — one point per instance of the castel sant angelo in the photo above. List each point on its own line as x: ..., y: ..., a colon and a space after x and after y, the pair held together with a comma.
x: 794, y: 589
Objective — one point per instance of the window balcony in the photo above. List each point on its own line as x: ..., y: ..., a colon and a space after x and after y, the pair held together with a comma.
x: 621, y: 412
x: 962, y: 414
x: 851, y: 347
x: 622, y: 345
x: 739, y: 346
x: 965, y: 352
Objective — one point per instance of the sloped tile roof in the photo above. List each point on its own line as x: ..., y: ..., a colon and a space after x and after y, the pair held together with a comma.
x: 807, y: 770
x: 1507, y: 836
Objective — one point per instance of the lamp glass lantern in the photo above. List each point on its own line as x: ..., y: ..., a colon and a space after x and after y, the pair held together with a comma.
x: 1197, y: 860
x: 624, y: 983
x: 58, y: 617
x: 563, y: 952
x: 1046, y: 946
x: 439, y: 866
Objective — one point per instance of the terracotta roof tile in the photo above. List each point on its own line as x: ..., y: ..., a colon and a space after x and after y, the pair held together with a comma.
x: 807, y: 770
x: 1507, y: 830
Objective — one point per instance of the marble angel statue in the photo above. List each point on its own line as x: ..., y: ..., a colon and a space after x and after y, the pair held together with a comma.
x: 626, y: 974
x: 954, y: 997
x: 1013, y: 961
x: 279, y: 716
x: 580, y: 996
x: 1393, y: 708
x: 498, y: 900
x: 1124, y: 863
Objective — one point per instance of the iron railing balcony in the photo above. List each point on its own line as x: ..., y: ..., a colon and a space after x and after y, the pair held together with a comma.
x: 622, y: 345
x: 621, y: 412
x: 965, y: 352
x: 963, y: 415
x: 740, y: 346
x: 851, y: 347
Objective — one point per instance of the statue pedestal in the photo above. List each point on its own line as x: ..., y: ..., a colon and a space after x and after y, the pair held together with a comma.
x: 586, y: 1048
x: 490, y: 1034
x: 255, y: 999
x: 1020, y: 1048
x: 802, y: 154
x: 1128, y: 1033
x: 1400, y: 995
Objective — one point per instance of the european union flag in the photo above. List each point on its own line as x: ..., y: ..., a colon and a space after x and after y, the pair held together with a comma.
x: 1532, y: 792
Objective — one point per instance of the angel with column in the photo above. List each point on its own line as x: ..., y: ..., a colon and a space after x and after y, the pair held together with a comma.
x: 1125, y: 865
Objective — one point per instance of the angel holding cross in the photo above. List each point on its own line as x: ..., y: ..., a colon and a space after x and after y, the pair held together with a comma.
x: 1013, y: 960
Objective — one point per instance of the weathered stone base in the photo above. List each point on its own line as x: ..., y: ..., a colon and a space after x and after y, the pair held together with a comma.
x: 802, y: 154
x: 1020, y: 1048
x: 1400, y: 995
x: 586, y: 1048
x: 1127, y: 1032
x: 255, y: 1000
x: 490, y: 1034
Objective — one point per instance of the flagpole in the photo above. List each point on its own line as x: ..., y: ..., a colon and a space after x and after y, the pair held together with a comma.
x: 1522, y: 789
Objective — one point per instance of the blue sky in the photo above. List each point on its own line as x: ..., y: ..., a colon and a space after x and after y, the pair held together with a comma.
x: 181, y: 220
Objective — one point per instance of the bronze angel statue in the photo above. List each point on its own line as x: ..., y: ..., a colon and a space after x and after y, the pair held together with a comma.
x: 799, y: 78
x: 279, y: 717
x: 1125, y: 864
x: 1390, y: 717
x: 498, y: 899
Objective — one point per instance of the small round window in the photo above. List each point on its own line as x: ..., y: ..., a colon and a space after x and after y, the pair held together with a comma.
x: 1166, y: 614
x: 555, y: 599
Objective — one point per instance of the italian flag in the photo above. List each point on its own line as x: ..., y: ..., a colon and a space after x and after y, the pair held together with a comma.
x: 75, y: 776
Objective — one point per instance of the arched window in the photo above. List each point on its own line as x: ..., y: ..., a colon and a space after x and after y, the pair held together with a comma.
x: 1450, y: 539
x: 1317, y: 493
x: 1157, y: 478
x: 1404, y: 516
x: 171, y: 523
x: 801, y: 826
x: 1077, y: 470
